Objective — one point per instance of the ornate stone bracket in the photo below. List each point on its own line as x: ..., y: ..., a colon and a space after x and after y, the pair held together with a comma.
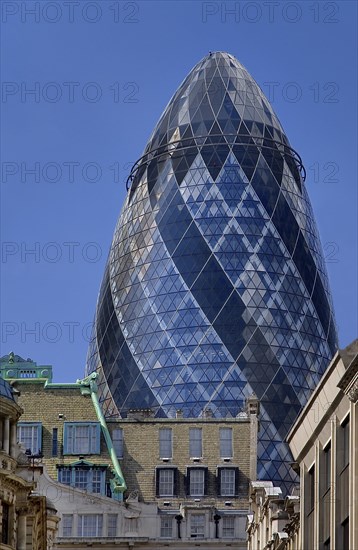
x: 353, y: 392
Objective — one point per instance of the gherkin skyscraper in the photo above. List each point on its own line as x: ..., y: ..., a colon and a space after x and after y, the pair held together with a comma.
x: 215, y: 286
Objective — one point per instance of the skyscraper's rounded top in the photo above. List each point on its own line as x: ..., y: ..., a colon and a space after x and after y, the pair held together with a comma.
x: 218, y: 103
x: 217, y: 90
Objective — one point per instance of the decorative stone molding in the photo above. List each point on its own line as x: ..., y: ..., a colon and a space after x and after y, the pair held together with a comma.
x: 353, y: 392
x: 349, y: 381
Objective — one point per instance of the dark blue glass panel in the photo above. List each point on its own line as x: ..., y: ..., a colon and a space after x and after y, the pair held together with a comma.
x: 319, y: 299
x: 285, y: 223
x: 230, y: 324
x: 265, y: 186
x: 211, y: 289
x: 174, y: 222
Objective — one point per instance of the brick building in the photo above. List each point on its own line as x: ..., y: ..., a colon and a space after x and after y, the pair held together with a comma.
x: 184, y: 480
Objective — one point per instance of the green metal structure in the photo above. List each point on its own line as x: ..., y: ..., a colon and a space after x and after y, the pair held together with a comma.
x: 88, y: 386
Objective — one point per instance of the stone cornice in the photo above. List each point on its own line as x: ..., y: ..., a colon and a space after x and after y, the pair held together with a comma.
x: 349, y: 381
x: 10, y: 408
x: 353, y: 392
x: 11, y: 480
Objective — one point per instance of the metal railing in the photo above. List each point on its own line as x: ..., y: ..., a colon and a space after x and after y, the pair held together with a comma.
x: 171, y: 149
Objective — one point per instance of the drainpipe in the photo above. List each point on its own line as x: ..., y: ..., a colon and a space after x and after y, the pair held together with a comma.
x: 179, y: 519
x: 217, y: 518
x: 89, y: 386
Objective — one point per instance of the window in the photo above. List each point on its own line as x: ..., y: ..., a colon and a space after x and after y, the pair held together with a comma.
x: 166, y: 527
x: 67, y: 524
x: 90, y: 525
x: 325, y: 497
x: 311, y: 527
x: 345, y: 535
x: 228, y: 482
x: 166, y: 482
x: 81, y: 438
x: 81, y: 478
x: 343, y: 486
x: 196, y: 481
x: 195, y: 443
x: 54, y: 441
x: 29, y: 434
x: 85, y: 477
x: 112, y: 525
x: 311, y: 487
x: 5, y: 522
x: 165, y: 443
x: 97, y: 476
x: 65, y: 476
x: 197, y: 526
x: 228, y: 528
x: 117, y: 440
x: 345, y: 443
x: 226, y: 443
x: 326, y: 466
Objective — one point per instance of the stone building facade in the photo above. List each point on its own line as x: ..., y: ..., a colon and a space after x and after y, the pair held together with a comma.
x: 273, y: 522
x: 324, y: 443
x: 322, y: 514
x: 187, y: 479
x: 28, y: 520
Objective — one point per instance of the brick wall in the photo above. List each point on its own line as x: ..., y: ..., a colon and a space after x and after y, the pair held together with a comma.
x: 141, y: 454
x: 141, y: 443
x: 45, y: 405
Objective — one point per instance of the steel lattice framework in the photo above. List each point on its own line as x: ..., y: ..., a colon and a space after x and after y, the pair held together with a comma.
x: 215, y: 286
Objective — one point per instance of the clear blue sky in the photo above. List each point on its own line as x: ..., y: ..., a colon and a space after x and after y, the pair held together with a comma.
x: 102, y: 73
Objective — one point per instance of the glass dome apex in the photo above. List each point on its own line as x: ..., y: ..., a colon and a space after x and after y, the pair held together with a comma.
x: 220, y: 89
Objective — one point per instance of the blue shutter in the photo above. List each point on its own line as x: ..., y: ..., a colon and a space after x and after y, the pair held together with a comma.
x: 67, y: 438
x: 95, y: 439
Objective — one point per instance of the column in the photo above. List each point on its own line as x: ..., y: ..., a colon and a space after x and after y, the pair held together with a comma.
x: 21, y: 531
x: 1, y: 433
x: 353, y: 472
x: 333, y: 498
x: 104, y: 525
x: 6, y: 438
x: 13, y: 439
x: 317, y: 449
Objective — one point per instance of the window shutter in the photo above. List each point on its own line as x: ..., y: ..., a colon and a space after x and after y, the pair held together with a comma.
x: 236, y: 481
x: 218, y: 482
x: 94, y: 439
x: 206, y: 480
x: 176, y: 488
x: 187, y: 481
x: 157, y: 473
x: 117, y: 439
x: 68, y: 438
x: 39, y: 437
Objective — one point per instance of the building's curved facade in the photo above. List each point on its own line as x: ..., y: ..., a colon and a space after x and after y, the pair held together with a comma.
x: 215, y: 286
